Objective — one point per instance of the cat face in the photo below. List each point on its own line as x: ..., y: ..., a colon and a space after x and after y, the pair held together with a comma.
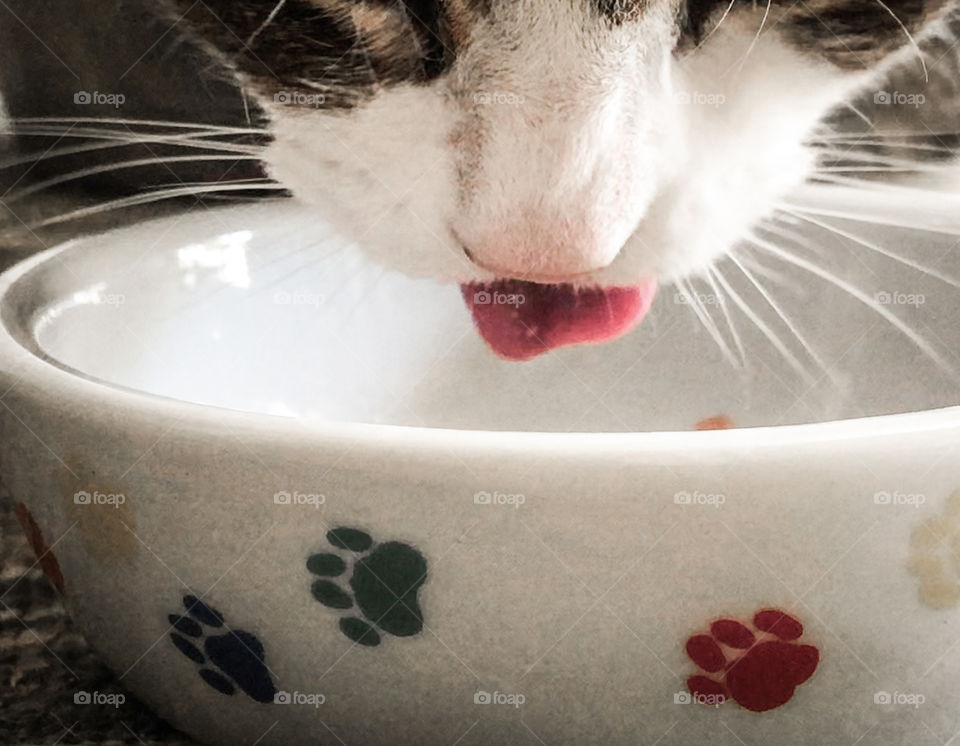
x: 593, y: 142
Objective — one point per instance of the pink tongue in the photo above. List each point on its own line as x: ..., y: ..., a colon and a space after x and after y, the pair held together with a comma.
x: 521, y: 320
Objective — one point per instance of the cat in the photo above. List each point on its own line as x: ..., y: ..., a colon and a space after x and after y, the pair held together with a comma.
x: 573, y: 154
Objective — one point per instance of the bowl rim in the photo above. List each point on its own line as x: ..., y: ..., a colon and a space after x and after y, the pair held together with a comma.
x: 22, y: 360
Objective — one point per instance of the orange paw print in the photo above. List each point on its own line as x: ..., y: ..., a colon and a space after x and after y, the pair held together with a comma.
x: 720, y: 422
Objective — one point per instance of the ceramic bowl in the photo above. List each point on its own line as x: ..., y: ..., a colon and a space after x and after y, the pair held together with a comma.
x: 293, y: 499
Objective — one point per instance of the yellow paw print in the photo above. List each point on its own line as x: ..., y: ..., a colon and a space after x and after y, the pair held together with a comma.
x: 102, y: 512
x: 935, y: 556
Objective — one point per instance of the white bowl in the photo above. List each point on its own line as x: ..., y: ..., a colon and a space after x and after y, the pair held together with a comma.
x: 521, y: 583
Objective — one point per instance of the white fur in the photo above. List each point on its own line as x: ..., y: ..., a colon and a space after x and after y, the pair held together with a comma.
x: 615, y: 162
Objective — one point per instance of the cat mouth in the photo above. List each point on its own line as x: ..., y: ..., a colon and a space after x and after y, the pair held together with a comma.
x: 520, y: 320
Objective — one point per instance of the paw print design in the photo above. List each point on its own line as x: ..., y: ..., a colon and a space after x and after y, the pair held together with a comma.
x: 759, y: 670
x: 935, y: 556
x: 384, y: 581
x: 230, y: 660
x: 45, y: 558
x: 720, y: 422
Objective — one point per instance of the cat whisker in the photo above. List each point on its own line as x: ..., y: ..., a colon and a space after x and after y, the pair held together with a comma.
x: 255, y: 182
x: 298, y: 268
x: 877, y: 248
x: 801, y: 263
x: 117, y: 139
x: 764, y: 328
x: 780, y: 228
x: 756, y: 37
x: 315, y: 85
x: 881, y: 186
x: 693, y: 301
x: 913, y: 42
x: 215, y: 197
x: 914, y: 169
x: 211, y: 128
x: 838, y: 161
x: 143, y: 199
x: 718, y: 24
x: 753, y: 263
x: 133, y: 127
x: 273, y: 14
x: 917, y: 219
x: 860, y: 114
x: 726, y: 315
x: 110, y: 167
x: 860, y: 147
x: 765, y: 294
x: 843, y: 134
x: 866, y: 155
x: 184, y: 141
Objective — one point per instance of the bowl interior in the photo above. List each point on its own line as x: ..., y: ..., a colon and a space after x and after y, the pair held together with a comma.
x: 258, y: 308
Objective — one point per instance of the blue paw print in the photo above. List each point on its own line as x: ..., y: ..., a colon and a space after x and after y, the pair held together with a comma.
x: 230, y: 660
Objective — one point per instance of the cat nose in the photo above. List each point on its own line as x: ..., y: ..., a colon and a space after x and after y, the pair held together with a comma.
x: 544, y: 275
x: 546, y: 252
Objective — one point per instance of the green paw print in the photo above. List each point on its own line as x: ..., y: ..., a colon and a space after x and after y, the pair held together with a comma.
x: 383, y: 580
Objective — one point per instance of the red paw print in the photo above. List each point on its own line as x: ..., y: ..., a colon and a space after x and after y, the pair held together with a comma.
x: 45, y: 558
x: 760, y: 671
